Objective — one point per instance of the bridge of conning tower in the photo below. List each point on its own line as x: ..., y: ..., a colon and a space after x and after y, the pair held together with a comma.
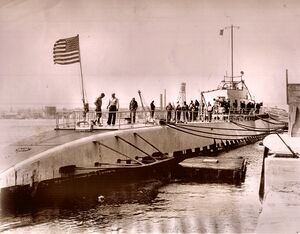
x: 232, y: 90
x: 236, y: 88
x: 232, y: 82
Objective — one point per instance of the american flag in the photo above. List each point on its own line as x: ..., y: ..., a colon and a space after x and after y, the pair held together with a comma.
x: 66, y: 51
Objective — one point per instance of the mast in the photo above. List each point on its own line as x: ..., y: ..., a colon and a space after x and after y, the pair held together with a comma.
x: 287, y: 82
x: 231, y: 27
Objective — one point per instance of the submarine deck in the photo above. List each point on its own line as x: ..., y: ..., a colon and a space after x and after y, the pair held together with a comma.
x: 24, y: 149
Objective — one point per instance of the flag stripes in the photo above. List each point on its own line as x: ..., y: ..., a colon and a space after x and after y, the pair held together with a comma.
x: 66, y: 51
x: 66, y: 59
x: 64, y: 55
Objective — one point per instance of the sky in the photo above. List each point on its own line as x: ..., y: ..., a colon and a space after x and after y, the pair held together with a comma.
x: 147, y: 45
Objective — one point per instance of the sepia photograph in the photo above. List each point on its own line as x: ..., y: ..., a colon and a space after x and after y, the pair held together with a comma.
x: 149, y: 116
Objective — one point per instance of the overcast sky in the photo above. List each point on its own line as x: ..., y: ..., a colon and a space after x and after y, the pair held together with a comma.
x: 147, y: 45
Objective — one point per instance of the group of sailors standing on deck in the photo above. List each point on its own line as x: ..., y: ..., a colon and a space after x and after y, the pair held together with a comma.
x: 188, y: 112
x: 196, y: 111
x: 183, y: 113
x: 113, y: 107
x: 222, y: 106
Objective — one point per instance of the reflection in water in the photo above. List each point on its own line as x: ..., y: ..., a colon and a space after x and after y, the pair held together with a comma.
x: 178, y: 207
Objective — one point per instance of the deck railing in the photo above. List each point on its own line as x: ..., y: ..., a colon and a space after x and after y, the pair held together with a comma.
x: 74, y: 119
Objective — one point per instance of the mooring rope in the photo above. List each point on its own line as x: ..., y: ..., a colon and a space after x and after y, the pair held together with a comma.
x: 134, y: 146
x: 147, y: 142
x: 218, y: 128
x: 220, y: 134
x: 289, y: 148
x: 268, y: 121
x: 279, y: 121
x: 198, y: 135
x: 255, y: 128
x: 126, y: 156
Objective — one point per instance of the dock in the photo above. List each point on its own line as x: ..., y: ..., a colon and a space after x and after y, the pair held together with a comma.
x: 281, y: 187
x: 223, y: 169
x: 280, y: 181
x: 281, y: 213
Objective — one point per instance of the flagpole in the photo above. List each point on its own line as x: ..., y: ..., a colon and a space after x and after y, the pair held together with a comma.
x: 67, y: 51
x: 232, y: 54
x: 82, y: 87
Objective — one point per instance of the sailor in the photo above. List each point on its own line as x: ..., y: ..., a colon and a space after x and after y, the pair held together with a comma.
x: 178, y: 112
x: 197, y: 104
x: 203, y: 110
x: 215, y: 106
x: 227, y: 106
x: 257, y: 108
x: 243, y: 107
x: 191, y: 110
x: 209, y: 111
x: 113, y: 107
x: 169, y: 109
x: 98, y: 104
x: 152, y: 109
x: 184, y: 109
x: 133, y: 105
x: 235, y: 105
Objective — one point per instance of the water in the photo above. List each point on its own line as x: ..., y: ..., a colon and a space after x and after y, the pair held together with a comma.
x: 178, y: 208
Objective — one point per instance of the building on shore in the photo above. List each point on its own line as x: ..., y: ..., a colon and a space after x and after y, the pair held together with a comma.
x: 50, y: 111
